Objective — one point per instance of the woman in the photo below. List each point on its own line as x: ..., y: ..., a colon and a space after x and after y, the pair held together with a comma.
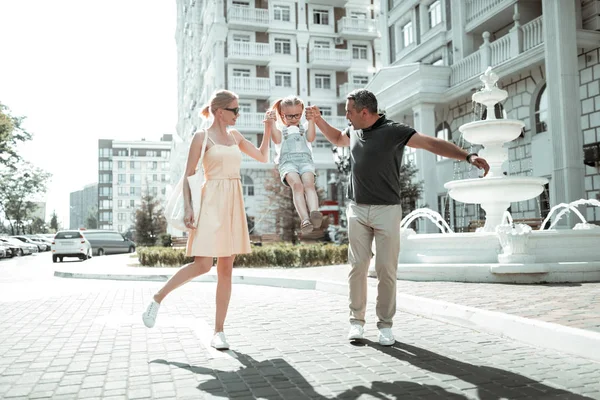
x: 222, y: 231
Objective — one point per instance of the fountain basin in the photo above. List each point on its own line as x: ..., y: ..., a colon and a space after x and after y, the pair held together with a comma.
x: 491, y: 131
x: 490, y: 96
x: 504, y: 189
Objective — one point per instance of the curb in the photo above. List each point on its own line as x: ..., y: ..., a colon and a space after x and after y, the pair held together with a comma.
x: 533, y: 332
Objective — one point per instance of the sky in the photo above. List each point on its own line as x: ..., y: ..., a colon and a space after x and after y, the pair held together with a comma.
x: 83, y: 70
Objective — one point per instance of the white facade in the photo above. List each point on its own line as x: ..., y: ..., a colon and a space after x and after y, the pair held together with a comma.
x: 127, y: 170
x: 546, y: 53
x: 264, y: 50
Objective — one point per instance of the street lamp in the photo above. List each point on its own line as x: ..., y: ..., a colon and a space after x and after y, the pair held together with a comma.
x: 341, y: 158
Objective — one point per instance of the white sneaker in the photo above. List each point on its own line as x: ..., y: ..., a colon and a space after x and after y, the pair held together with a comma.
x: 356, y: 332
x: 149, y: 317
x: 386, y: 337
x: 219, y: 341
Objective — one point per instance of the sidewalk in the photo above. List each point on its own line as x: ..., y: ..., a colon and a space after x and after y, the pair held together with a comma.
x: 550, y: 316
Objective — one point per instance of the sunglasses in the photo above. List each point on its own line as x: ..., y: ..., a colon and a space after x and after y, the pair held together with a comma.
x: 235, y: 111
x: 292, y: 116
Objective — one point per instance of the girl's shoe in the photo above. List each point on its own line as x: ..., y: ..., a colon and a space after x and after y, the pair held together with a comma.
x: 306, y: 227
x: 149, y: 317
x: 219, y: 341
x: 316, y: 218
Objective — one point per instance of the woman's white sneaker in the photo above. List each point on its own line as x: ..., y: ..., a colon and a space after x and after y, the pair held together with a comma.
x: 149, y: 317
x: 219, y: 341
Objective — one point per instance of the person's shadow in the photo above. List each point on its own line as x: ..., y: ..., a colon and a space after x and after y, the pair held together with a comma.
x: 268, y: 379
x: 491, y: 383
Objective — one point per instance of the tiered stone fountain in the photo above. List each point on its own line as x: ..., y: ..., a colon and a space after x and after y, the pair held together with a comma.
x: 500, y: 251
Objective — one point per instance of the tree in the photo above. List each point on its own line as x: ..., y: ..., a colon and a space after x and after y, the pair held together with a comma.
x: 38, y: 225
x: 18, y: 186
x: 410, y: 189
x: 150, y: 221
x: 91, y: 221
x: 54, y: 222
x: 11, y: 134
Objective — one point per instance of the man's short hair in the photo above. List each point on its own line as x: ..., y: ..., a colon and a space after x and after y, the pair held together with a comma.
x: 363, y: 99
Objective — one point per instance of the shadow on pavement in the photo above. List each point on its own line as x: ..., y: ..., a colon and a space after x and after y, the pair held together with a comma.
x: 491, y: 383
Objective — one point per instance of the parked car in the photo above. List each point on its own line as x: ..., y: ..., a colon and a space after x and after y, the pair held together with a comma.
x: 70, y: 244
x: 8, y: 251
x: 108, y: 242
x: 41, y: 246
x: 37, y: 239
x: 19, y: 248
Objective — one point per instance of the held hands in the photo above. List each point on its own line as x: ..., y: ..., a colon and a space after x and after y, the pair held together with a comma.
x: 270, y: 116
x: 313, y: 113
x: 188, y: 218
x: 480, y: 163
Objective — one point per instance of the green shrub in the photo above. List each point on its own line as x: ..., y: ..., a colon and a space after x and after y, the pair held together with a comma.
x: 166, y: 240
x: 276, y: 255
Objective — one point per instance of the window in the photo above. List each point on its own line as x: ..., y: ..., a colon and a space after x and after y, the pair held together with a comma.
x: 132, y: 178
x: 360, y: 80
x: 240, y: 3
x: 134, y: 164
x: 242, y: 73
x: 122, y: 153
x: 135, y: 153
x: 105, y: 191
x: 122, y: 191
x: 154, y: 191
x: 165, y: 165
x: 165, y: 154
x: 121, y: 165
x: 326, y: 111
x: 122, y: 178
x: 241, y: 38
x: 322, y: 44
x: 541, y: 111
x: 163, y: 178
x: 320, y: 17
x: 105, y: 204
x: 435, y: 13
x: 443, y: 132
x: 283, y: 46
x: 283, y: 79
x: 245, y: 107
x: 105, y: 166
x: 407, y: 34
x: 359, y: 51
x: 120, y: 203
x: 247, y: 186
x: 151, y: 153
x: 155, y: 178
x: 105, y: 178
x: 358, y: 14
x: 131, y: 203
x: 105, y: 152
x: 322, y: 81
x: 281, y: 13
x: 122, y: 217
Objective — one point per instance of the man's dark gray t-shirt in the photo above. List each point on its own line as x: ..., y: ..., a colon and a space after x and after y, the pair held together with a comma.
x: 375, y: 159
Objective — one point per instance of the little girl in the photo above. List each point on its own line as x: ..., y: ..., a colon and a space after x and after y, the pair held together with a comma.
x: 296, y: 165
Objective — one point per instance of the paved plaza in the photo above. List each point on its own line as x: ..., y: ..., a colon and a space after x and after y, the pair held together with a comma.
x: 75, y: 338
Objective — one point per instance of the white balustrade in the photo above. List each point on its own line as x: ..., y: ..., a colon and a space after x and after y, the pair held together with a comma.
x: 533, y: 34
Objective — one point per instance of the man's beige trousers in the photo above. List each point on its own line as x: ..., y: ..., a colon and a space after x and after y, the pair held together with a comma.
x: 366, y: 223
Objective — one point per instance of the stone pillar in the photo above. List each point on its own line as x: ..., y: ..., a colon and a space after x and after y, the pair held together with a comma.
x: 461, y: 41
x: 564, y: 109
x: 424, y: 120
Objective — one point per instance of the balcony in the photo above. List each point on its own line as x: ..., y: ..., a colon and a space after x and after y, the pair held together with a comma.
x: 488, y: 14
x: 332, y: 3
x: 246, y: 18
x: 250, y: 122
x: 248, y: 53
x: 346, y: 88
x: 337, y: 122
x: 500, y: 51
x: 357, y: 28
x: 337, y: 59
x: 254, y: 88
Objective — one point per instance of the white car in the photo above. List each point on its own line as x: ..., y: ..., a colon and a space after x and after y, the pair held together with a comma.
x: 70, y: 244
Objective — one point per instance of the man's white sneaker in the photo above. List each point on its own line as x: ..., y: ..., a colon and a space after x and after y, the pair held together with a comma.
x: 356, y: 332
x: 149, y: 317
x: 386, y: 337
x: 219, y: 341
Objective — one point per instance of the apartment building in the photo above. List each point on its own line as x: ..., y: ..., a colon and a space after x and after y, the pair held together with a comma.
x: 546, y: 53
x: 81, y: 204
x: 266, y: 50
x: 127, y: 170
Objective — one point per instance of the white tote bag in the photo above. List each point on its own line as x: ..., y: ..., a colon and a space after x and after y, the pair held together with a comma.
x: 175, y: 209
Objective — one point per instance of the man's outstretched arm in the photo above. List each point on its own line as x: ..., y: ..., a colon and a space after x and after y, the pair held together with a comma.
x: 335, y: 136
x: 446, y: 149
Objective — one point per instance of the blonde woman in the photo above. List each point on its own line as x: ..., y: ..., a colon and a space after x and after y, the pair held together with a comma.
x: 222, y: 231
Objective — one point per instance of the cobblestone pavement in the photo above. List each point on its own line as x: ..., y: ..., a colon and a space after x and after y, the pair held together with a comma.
x: 89, y: 342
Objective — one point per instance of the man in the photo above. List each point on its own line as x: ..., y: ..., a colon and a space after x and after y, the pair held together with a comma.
x: 376, y: 149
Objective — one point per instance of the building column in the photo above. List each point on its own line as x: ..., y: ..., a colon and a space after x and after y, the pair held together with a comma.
x: 461, y: 41
x: 302, y: 38
x: 564, y: 110
x: 424, y: 120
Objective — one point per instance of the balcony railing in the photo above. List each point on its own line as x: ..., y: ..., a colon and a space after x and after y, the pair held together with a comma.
x: 251, y: 121
x: 361, y: 26
x: 254, y: 16
x: 518, y: 40
x: 336, y: 122
x: 250, y: 86
x: 330, y: 55
x: 248, y: 50
x: 348, y: 87
x: 478, y: 8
